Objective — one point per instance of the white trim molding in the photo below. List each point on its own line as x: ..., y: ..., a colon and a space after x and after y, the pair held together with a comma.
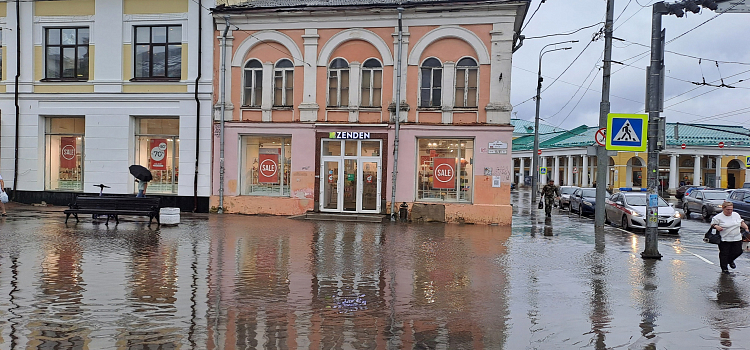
x: 355, y: 34
x: 267, y: 35
x: 455, y: 32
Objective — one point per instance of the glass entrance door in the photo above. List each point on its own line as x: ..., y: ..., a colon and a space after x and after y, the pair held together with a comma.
x: 350, y: 180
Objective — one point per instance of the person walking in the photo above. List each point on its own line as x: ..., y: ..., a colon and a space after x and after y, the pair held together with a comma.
x: 2, y: 189
x: 142, y: 185
x: 728, y: 224
x: 549, y: 193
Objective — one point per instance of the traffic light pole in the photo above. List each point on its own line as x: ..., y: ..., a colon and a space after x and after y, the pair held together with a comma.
x: 651, y: 249
x: 602, y: 159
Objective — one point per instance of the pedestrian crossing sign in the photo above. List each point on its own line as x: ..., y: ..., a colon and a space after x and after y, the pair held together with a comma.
x: 627, y: 132
x: 543, y: 170
x: 747, y: 161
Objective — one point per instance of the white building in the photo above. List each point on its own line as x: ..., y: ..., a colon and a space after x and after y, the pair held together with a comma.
x: 102, y: 84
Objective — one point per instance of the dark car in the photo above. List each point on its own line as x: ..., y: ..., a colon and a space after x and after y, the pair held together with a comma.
x: 741, y: 202
x: 682, y: 189
x: 706, y: 202
x: 583, y: 200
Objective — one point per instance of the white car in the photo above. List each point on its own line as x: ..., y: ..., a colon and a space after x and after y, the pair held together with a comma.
x: 565, y: 193
x: 628, y: 209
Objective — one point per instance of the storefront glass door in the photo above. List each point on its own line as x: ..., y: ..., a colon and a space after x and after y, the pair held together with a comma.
x: 350, y: 180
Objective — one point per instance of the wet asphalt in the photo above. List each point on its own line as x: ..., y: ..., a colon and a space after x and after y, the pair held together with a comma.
x: 250, y: 282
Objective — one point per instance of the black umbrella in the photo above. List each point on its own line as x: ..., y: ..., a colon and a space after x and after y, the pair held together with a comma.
x: 140, y: 172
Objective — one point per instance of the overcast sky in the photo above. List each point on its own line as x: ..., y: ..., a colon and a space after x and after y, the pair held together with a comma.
x: 725, y: 38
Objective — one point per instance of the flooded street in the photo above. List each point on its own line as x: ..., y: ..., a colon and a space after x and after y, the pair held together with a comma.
x: 243, y: 282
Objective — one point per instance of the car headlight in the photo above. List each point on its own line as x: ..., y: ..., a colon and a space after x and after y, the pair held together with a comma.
x: 677, y: 214
x: 718, y: 205
x: 587, y: 203
x: 635, y: 213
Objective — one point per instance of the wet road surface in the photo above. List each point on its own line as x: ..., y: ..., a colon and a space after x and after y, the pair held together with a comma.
x: 243, y: 282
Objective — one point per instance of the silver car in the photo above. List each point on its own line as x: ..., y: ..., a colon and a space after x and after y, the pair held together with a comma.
x: 628, y: 209
x: 565, y: 193
x: 705, y: 202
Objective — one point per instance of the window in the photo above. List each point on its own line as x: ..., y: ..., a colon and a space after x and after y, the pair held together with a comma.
x: 467, y: 74
x: 338, y: 83
x: 157, y: 147
x: 253, y: 84
x: 67, y: 54
x: 372, y: 83
x: 445, y: 170
x: 64, y: 154
x: 158, y: 52
x: 283, y: 83
x: 265, y: 165
x: 432, y: 79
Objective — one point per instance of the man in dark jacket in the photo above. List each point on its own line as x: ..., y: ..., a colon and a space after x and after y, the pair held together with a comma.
x: 549, y: 193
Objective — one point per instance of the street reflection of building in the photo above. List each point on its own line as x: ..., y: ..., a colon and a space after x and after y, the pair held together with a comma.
x: 567, y: 156
x: 60, y: 321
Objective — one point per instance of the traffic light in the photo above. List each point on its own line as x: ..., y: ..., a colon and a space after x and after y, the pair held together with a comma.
x: 691, y: 6
x: 676, y: 9
x: 709, y: 4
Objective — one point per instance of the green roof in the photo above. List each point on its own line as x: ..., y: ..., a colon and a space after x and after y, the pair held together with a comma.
x: 523, y: 127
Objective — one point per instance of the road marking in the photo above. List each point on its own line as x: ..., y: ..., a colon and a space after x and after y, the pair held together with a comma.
x: 702, y: 258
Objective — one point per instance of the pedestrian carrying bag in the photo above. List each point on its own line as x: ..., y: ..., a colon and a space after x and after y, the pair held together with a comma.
x: 711, y: 237
x: 4, y: 197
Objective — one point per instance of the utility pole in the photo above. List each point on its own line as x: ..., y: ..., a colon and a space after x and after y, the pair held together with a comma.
x: 602, y: 159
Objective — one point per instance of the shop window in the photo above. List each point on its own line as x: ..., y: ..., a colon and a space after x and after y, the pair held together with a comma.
x: 265, y: 165
x: 430, y: 83
x: 445, y: 170
x: 467, y: 76
x: 338, y: 83
x: 158, y: 52
x: 64, y: 154
x: 253, y: 84
x: 157, y: 147
x: 283, y: 83
x: 372, y: 83
x: 67, y: 53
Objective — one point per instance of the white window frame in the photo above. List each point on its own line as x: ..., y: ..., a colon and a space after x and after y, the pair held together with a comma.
x: 285, y: 91
x: 340, y: 90
x: 466, y: 70
x: 432, y: 87
x: 371, y: 88
x: 255, y: 99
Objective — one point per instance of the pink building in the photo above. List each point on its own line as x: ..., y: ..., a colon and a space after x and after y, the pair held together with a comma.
x: 310, y: 107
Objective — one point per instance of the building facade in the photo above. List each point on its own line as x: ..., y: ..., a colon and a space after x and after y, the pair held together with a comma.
x: 692, y: 156
x: 101, y: 85
x: 310, y: 107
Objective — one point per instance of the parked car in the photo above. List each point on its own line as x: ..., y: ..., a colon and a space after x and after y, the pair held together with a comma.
x: 746, y: 185
x: 628, y: 209
x: 740, y: 199
x: 706, y: 202
x: 690, y: 190
x: 583, y: 200
x: 682, y: 189
x: 565, y: 192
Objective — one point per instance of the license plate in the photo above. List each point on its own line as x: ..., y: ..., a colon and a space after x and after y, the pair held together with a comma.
x: 662, y: 221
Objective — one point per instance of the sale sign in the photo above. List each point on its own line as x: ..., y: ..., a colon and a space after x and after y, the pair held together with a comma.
x: 67, y: 152
x: 158, y: 158
x: 268, y: 168
x: 444, y: 173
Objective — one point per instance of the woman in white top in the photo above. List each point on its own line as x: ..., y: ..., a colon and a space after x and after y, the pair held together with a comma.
x: 2, y: 189
x: 728, y: 224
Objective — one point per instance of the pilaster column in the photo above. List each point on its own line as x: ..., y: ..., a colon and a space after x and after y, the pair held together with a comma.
x: 697, y: 170
x: 499, y: 107
x: 569, y: 172
x: 718, y: 172
x: 108, y: 69
x: 308, y: 109
x: 557, y: 171
x: 584, y: 172
x: 266, y: 102
x: 673, y: 173
x: 228, y: 106
x: 354, y: 90
x: 404, y: 54
x: 520, y: 175
x: 448, y: 91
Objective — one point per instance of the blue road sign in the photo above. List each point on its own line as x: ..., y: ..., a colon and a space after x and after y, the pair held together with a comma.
x: 747, y: 161
x: 627, y: 132
x: 543, y: 170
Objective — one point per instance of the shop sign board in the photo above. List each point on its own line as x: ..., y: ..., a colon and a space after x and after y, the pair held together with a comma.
x: 346, y: 135
x: 67, y: 152
x: 444, y: 173
x: 496, y: 181
x: 158, y: 157
x: 497, y: 151
x: 627, y: 132
x: 268, y: 168
x: 498, y: 145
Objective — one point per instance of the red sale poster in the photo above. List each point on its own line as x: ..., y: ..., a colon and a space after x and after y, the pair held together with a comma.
x: 158, y: 158
x: 268, y: 169
x: 444, y: 173
x: 68, y: 152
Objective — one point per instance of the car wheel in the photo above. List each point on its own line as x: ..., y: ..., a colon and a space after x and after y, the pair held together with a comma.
x: 704, y: 213
x: 624, y: 224
x: 686, y: 209
x: 674, y: 232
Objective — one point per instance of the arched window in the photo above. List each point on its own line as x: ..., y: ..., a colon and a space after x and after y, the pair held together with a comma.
x: 283, y: 83
x: 431, y: 81
x: 372, y: 83
x: 467, y: 76
x: 338, y: 83
x: 253, y: 84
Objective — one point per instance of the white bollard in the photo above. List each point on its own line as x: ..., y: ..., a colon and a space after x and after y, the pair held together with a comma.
x: 169, y: 216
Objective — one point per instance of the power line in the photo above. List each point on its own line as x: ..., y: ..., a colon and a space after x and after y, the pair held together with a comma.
x: 690, y: 56
x: 560, y: 34
x: 532, y: 15
x: 579, y: 101
x: 577, y: 90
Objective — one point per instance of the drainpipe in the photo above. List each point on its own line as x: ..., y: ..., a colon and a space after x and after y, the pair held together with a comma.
x: 223, y: 109
x: 398, y: 117
x: 18, y: 108
x: 198, y: 105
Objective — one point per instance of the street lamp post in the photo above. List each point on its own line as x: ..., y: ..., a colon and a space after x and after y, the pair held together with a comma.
x: 535, y: 156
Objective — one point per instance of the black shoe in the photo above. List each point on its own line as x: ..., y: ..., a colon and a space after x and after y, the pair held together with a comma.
x: 726, y: 272
x: 732, y: 265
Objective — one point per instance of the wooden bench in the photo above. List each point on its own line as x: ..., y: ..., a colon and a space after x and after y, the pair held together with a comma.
x: 112, y: 207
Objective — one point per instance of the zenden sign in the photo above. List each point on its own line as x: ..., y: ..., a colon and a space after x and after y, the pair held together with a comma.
x: 345, y: 135
x: 627, y: 132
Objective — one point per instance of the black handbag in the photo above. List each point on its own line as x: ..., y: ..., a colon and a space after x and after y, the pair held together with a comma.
x: 711, y: 237
x: 541, y: 204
